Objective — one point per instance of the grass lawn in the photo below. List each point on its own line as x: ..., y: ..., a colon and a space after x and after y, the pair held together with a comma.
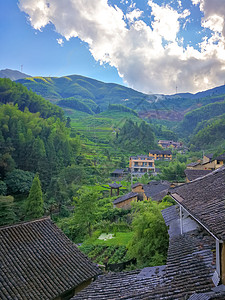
x: 119, y: 239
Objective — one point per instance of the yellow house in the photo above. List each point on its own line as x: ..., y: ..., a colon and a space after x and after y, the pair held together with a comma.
x: 125, y: 200
x: 160, y: 154
x: 154, y: 190
x: 141, y: 164
x: 209, y: 164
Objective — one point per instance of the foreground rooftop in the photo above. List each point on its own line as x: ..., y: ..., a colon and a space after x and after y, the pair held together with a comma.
x: 39, y: 262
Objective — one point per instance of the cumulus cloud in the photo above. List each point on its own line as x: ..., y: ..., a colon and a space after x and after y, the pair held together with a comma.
x: 149, y: 57
x: 214, y: 14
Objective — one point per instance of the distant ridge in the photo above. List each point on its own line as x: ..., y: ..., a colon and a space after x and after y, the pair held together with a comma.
x: 12, y: 74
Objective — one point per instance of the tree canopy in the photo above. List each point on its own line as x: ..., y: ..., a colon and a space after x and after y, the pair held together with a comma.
x: 16, y: 93
x: 150, y: 240
x: 33, y: 144
x: 136, y: 138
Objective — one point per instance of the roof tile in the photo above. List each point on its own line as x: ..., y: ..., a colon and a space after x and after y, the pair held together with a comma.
x: 39, y: 262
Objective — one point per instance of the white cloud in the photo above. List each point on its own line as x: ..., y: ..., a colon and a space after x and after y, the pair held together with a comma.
x: 148, y: 58
x: 134, y: 15
x: 60, y: 41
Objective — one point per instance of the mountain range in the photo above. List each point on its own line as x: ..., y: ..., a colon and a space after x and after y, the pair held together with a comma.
x: 194, y: 117
x: 92, y: 96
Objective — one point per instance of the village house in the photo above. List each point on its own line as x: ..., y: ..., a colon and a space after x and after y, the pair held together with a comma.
x: 195, y: 267
x: 141, y: 164
x: 193, y: 165
x: 37, y: 261
x: 207, y: 158
x: 209, y: 163
x: 160, y: 154
x: 167, y: 144
x: 125, y: 200
x: 154, y: 190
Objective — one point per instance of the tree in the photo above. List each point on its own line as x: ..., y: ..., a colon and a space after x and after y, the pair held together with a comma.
x: 68, y: 122
x: 34, y: 203
x: 19, y: 181
x: 174, y: 171
x: 85, y: 213
x: 150, y: 240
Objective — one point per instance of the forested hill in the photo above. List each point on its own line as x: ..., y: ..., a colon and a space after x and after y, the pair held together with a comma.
x: 83, y: 89
x: 16, y: 93
x: 91, y: 96
x: 33, y: 140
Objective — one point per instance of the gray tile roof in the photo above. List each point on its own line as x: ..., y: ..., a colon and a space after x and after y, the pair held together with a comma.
x: 221, y: 157
x: 209, y: 155
x: 165, y: 152
x: 204, y: 199
x: 37, y: 261
x: 125, y: 197
x: 140, y: 156
x: 136, y: 184
x: 156, y: 190
x: 118, y: 171
x: 115, y: 185
x: 193, y: 174
x: 193, y: 164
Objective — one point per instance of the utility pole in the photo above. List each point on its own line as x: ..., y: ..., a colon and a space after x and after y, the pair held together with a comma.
x: 21, y: 68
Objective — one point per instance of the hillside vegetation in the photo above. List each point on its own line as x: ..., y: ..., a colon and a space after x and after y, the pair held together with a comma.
x: 12, y: 92
x: 211, y: 136
x: 83, y: 88
x: 193, y: 119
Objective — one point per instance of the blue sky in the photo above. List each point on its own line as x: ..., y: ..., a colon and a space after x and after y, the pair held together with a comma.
x: 153, y: 46
x: 39, y: 52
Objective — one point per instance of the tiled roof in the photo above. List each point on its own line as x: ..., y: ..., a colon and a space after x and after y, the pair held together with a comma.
x: 115, y: 185
x: 140, y: 156
x: 193, y: 174
x: 156, y: 190
x: 204, y: 199
x: 167, y: 152
x: 189, y: 269
x: 118, y: 171
x: 39, y: 262
x: 136, y: 184
x: 209, y: 155
x: 217, y: 293
x: 193, y: 164
x: 125, y: 197
x: 221, y: 157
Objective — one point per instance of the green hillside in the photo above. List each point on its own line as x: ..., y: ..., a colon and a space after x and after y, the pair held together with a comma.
x: 83, y: 89
x: 16, y: 93
x: 212, y: 136
x: 97, y: 95
x: 196, y: 119
x: 100, y: 128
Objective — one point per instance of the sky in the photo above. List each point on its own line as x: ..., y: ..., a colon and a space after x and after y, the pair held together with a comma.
x: 153, y: 46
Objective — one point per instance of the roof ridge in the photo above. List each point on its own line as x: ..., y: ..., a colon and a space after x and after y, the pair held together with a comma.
x: 220, y: 169
x: 25, y: 222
